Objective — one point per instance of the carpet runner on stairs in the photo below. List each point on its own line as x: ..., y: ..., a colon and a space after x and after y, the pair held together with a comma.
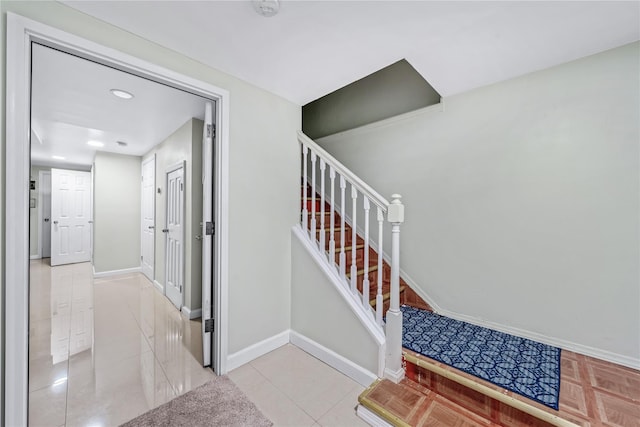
x: 523, y: 366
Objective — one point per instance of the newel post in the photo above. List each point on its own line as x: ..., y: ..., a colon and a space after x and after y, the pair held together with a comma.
x: 393, y: 363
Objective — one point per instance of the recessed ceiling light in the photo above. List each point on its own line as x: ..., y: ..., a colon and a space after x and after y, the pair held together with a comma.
x: 95, y: 143
x: 58, y: 157
x: 121, y: 93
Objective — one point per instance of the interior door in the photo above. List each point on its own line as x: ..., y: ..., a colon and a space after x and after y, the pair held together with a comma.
x: 45, y: 216
x: 207, y: 233
x: 147, y: 257
x: 174, y: 231
x: 71, y: 216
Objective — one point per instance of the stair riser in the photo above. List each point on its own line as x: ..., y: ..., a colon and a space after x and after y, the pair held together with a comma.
x: 470, y: 399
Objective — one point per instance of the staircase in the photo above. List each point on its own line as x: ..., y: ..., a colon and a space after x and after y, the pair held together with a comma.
x: 407, y: 295
x: 336, y: 223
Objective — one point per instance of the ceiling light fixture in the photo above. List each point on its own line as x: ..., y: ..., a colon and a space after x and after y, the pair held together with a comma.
x: 121, y: 143
x: 266, y: 8
x: 58, y: 157
x: 95, y: 143
x: 121, y: 93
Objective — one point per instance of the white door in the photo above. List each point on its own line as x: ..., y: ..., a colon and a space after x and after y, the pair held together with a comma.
x: 174, y: 231
x: 207, y: 233
x: 147, y: 257
x: 44, y: 196
x: 71, y: 216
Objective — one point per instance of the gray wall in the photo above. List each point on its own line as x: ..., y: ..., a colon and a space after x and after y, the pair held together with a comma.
x: 394, y: 90
x: 320, y: 313
x: 522, y: 201
x: 116, y: 215
x: 185, y: 144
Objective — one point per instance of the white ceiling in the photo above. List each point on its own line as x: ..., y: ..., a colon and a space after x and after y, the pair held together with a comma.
x: 72, y: 104
x: 311, y: 48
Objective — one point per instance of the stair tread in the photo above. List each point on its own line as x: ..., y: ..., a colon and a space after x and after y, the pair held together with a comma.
x: 385, y: 296
x: 405, y: 405
x: 371, y: 269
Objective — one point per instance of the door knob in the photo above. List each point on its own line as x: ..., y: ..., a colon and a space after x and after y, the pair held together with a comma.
x: 165, y: 230
x: 198, y: 237
x: 46, y: 220
x: 151, y: 227
x: 55, y: 222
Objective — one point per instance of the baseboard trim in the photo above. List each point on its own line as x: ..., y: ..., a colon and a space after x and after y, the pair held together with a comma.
x: 371, y: 417
x: 354, y: 371
x: 191, y: 314
x: 115, y: 272
x: 597, y: 353
x: 256, y: 350
x: 159, y: 286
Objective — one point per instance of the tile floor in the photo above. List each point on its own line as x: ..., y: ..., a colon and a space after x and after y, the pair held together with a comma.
x: 103, y: 351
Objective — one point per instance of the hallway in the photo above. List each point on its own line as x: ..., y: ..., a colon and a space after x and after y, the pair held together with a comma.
x: 103, y: 351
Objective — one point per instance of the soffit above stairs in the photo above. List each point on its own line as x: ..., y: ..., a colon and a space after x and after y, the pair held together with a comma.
x: 311, y: 48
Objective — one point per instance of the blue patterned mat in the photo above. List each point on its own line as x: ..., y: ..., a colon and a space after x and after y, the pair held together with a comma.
x: 526, y: 367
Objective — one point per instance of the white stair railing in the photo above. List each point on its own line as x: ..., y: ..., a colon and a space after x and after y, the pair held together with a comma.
x: 315, y: 161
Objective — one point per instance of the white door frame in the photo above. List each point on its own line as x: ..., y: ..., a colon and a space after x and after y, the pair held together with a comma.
x: 151, y: 158
x: 41, y: 206
x: 21, y: 32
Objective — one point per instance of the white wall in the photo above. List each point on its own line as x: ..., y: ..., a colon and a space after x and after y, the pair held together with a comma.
x: 263, y: 157
x: 185, y: 144
x: 522, y: 201
x: 320, y: 313
x: 116, y: 215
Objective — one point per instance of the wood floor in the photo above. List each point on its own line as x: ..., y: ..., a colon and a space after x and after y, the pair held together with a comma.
x: 593, y: 393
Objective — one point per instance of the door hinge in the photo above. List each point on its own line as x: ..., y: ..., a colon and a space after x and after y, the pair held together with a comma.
x: 181, y: 188
x: 208, y: 325
x: 141, y: 258
x: 211, y: 131
x: 211, y: 228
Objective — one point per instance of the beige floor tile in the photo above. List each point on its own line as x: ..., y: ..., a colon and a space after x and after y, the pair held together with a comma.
x: 43, y: 372
x: 246, y: 377
x: 185, y: 373
x: 112, y: 396
x: 276, y: 406
x: 344, y: 412
x: 47, y: 406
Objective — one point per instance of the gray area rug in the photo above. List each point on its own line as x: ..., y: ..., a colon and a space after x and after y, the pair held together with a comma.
x: 216, y: 403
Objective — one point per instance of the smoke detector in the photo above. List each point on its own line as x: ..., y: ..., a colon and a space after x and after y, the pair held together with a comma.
x: 266, y: 8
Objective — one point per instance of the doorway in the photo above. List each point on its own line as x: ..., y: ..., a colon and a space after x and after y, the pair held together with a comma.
x: 20, y: 38
x: 174, y: 235
x: 71, y: 216
x: 44, y: 214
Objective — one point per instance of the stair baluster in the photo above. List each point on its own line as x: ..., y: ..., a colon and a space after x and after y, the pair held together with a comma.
x: 332, y: 242
x: 305, y: 189
x: 379, y: 298
x: 322, y: 240
x: 343, y: 257
x: 313, y: 230
x: 354, y: 241
x: 365, y: 279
